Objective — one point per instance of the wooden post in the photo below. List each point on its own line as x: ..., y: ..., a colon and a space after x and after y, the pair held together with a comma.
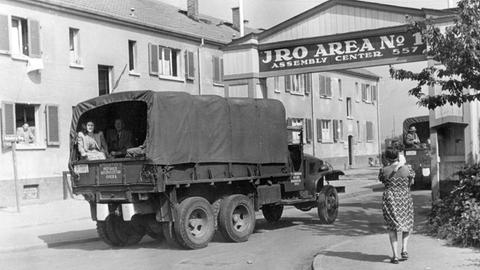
x: 15, y: 177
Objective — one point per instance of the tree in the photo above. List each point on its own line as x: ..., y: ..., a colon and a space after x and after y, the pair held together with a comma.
x: 457, y: 51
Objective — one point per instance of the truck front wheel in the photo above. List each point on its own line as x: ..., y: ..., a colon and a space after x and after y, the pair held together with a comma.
x: 327, y: 204
x: 236, y: 218
x: 195, y: 225
x: 272, y: 212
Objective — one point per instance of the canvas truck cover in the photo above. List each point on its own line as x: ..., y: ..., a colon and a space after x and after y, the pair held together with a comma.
x: 184, y: 128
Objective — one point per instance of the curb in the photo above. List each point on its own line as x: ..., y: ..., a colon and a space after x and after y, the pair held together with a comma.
x: 318, y: 257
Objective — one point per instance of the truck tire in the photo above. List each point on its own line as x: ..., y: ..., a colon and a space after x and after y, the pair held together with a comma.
x: 272, y: 212
x: 154, y: 230
x: 127, y: 232
x: 236, y: 219
x: 169, y: 234
x: 106, y: 233
x: 327, y: 204
x: 194, y: 224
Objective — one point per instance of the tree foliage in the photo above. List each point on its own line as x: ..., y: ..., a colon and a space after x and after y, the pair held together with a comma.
x: 457, y: 52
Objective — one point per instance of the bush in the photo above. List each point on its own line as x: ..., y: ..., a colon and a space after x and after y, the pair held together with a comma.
x: 457, y: 217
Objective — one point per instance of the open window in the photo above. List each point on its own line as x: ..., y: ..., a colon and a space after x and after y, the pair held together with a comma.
x: 133, y: 115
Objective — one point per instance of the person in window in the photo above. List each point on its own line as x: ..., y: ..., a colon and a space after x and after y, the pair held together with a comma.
x: 91, y: 145
x: 412, y: 140
x: 25, y: 134
x: 397, y: 203
x: 119, y: 139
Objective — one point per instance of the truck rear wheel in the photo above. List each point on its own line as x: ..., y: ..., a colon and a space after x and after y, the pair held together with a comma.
x: 195, y: 225
x: 127, y: 232
x: 106, y: 233
x: 272, y: 212
x: 154, y: 228
x: 327, y: 205
x: 236, y: 219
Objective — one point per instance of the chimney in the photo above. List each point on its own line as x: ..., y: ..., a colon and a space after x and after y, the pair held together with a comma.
x: 236, y: 18
x: 192, y: 9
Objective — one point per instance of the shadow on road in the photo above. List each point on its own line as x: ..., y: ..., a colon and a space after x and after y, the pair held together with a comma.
x: 357, y: 256
x: 355, y: 218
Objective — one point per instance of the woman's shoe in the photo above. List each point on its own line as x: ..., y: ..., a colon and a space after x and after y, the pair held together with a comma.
x: 394, y: 260
x: 404, y: 255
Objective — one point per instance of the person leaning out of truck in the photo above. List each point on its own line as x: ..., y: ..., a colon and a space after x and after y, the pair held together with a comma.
x: 91, y: 145
x: 412, y: 140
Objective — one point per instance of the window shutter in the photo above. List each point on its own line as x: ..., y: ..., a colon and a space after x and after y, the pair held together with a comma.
x: 340, y: 130
x: 308, y: 83
x: 8, y: 119
x: 322, y: 88
x: 4, y: 34
x: 53, y: 136
x: 374, y: 92
x: 153, y: 58
x: 191, y: 65
x: 221, y: 70
x: 364, y: 92
x: 216, y: 68
x: 340, y: 90
x: 335, y: 130
x: 308, y: 130
x: 328, y: 86
x: 288, y: 83
x: 319, y: 130
x: 34, y: 39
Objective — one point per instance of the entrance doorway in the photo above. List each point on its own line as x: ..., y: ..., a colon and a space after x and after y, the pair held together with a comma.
x: 350, y: 150
x: 104, y: 80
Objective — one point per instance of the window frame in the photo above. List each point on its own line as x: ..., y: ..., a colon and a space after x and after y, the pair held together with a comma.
x: 133, y: 57
x: 349, y: 104
x: 276, y: 84
x: 40, y: 125
x: 75, y: 58
x: 328, y: 130
x: 166, y: 69
x: 20, y: 46
x: 325, y: 86
x: 369, y: 127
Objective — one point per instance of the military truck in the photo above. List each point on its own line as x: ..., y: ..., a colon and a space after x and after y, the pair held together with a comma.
x: 419, y: 157
x: 209, y: 163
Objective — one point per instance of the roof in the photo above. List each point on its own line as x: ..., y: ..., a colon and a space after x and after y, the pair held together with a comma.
x: 150, y: 13
x: 360, y: 72
x: 423, y: 12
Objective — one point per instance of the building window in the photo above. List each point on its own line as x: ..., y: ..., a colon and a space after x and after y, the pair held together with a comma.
x: 324, y: 130
x: 22, y: 121
x: 25, y: 37
x: 217, y: 70
x: 337, y: 130
x: 349, y: 107
x: 295, y: 122
x: 104, y: 80
x: 132, y: 55
x: 168, y: 61
x: 367, y: 93
x: 276, y: 84
x: 298, y: 84
x: 19, y: 36
x: 357, y: 92
x: 359, y: 132
x: 74, y: 41
x: 325, y: 86
x: 370, y: 134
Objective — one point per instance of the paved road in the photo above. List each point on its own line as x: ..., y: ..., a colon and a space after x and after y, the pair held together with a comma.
x: 289, y: 244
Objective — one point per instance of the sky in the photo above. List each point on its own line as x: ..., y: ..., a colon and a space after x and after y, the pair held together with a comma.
x: 394, y: 101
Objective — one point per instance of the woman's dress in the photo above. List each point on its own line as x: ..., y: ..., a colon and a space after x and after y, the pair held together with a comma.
x: 92, y: 147
x: 397, y: 203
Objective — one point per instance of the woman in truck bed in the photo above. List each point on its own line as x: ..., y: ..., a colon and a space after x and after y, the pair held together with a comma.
x: 91, y: 145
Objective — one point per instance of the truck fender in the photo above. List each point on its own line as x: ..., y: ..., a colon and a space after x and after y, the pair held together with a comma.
x: 102, y: 211
x: 324, y: 177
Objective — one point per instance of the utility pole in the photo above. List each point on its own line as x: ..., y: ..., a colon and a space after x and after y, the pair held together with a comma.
x: 15, y: 176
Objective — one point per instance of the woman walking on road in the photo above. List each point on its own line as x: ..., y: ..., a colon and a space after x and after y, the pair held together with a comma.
x: 397, y: 203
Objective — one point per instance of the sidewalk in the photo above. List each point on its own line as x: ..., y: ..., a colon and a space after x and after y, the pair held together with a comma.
x: 65, y: 222
x: 370, y: 252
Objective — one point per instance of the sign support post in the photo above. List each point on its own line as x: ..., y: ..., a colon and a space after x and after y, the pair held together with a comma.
x: 15, y: 176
